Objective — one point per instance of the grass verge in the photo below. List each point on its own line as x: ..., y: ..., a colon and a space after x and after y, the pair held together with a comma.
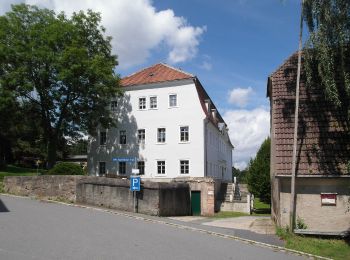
x: 229, y: 214
x: 332, y: 248
x: 261, y: 208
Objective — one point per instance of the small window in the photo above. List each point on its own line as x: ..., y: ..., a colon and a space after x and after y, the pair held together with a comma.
x: 172, y: 100
x: 184, y: 133
x: 161, y: 167
x: 141, y: 167
x: 102, y: 168
x: 122, y: 137
x: 161, y: 135
x: 184, y: 166
x: 153, y: 102
x: 141, y: 136
x: 142, y: 103
x: 114, y: 106
x: 103, y: 138
x: 122, y: 167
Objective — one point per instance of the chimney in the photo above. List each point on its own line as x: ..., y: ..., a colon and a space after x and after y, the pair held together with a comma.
x: 207, y: 104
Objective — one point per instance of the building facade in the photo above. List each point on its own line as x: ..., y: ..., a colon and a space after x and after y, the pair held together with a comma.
x: 167, y: 127
x: 323, y: 155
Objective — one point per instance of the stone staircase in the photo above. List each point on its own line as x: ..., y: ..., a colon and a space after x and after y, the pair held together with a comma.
x: 232, y: 192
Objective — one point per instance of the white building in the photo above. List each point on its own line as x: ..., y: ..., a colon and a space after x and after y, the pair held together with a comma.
x: 166, y: 121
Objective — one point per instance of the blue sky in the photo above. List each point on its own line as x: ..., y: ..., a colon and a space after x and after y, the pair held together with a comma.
x: 230, y: 45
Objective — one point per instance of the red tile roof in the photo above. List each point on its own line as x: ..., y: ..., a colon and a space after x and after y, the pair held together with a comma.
x: 155, y: 74
x: 323, y: 133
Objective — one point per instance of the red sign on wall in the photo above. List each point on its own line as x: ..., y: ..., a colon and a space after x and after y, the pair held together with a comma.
x: 329, y: 199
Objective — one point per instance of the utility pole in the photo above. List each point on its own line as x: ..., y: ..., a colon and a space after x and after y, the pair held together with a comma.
x: 296, y: 121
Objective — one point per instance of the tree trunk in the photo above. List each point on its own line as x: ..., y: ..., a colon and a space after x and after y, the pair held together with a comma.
x: 51, y: 152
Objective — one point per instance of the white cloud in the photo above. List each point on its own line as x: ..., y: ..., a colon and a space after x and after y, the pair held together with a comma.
x: 136, y: 26
x: 248, y: 129
x: 206, y: 65
x: 240, y: 96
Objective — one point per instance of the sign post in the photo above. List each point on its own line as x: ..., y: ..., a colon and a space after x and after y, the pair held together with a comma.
x: 135, y: 186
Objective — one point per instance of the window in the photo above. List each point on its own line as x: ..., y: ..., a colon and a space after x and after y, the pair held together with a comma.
x: 122, y: 137
x: 141, y: 136
x: 184, y: 133
x: 114, y: 105
x: 141, y: 167
x: 161, y: 135
x: 103, y: 138
x: 102, y: 168
x: 122, y: 167
x: 161, y: 167
x: 172, y: 100
x: 153, y: 102
x: 184, y: 166
x: 142, y: 103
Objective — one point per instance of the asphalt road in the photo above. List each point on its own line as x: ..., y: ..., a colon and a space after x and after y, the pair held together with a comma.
x: 31, y: 229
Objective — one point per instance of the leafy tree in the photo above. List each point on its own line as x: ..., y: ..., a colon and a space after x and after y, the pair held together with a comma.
x: 327, y: 52
x: 62, y: 66
x: 241, y: 175
x: 259, y: 173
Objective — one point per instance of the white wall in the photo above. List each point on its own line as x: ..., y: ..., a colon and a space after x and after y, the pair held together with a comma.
x: 219, y: 153
x: 188, y: 113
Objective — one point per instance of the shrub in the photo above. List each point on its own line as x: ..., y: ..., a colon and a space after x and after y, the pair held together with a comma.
x: 66, y: 168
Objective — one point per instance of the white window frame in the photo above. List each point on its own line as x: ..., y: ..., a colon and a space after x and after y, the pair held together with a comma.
x: 188, y: 134
x: 105, y: 138
x: 141, y: 105
x: 150, y: 102
x: 144, y: 167
x: 159, y: 140
x: 141, y: 140
x: 120, y: 137
x: 162, y: 169
x: 169, y: 100
x: 114, y: 105
x: 99, y: 168
x: 119, y: 167
x: 188, y: 166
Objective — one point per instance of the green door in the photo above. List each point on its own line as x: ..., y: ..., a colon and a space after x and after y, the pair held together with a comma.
x: 196, y: 203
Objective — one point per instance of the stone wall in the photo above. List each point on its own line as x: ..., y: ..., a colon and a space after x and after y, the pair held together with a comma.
x: 317, y: 217
x: 61, y: 187
x: 244, y: 205
x: 161, y: 199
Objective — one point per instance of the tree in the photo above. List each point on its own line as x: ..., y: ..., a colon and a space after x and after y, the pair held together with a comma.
x: 62, y: 66
x: 258, y: 176
x: 327, y: 50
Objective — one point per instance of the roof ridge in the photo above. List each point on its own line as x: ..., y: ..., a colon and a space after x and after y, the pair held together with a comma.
x: 283, y: 63
x: 177, y: 69
x: 132, y: 74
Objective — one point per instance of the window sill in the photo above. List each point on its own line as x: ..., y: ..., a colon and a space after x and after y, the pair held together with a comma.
x: 187, y: 142
x: 161, y: 143
x: 173, y: 107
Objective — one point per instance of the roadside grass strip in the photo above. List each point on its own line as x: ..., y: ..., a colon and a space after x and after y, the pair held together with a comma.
x: 179, y: 226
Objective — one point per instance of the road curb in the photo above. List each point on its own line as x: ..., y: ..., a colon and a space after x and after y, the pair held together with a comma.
x: 180, y: 226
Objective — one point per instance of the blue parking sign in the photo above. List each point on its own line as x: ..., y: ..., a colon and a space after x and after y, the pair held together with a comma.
x: 135, y: 183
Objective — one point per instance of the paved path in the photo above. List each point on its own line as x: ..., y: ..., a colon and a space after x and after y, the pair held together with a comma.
x: 30, y: 229
x: 255, y: 228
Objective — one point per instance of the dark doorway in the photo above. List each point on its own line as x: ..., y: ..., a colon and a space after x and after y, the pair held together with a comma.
x: 196, y: 203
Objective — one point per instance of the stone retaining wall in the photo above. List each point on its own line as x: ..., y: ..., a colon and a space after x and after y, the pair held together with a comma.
x: 161, y: 199
x: 62, y: 187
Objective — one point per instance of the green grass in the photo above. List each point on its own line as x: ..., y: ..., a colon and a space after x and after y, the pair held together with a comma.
x: 12, y: 170
x: 261, y: 208
x: 332, y: 248
x: 229, y: 214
